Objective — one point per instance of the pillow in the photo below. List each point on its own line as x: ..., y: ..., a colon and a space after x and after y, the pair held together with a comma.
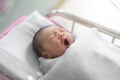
x: 17, y: 57
x: 47, y: 64
x: 13, y: 26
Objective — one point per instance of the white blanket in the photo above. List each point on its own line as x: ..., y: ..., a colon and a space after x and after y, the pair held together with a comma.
x: 88, y: 58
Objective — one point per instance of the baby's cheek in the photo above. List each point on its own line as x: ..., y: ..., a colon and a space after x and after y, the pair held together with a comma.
x: 55, y: 42
x: 58, y: 45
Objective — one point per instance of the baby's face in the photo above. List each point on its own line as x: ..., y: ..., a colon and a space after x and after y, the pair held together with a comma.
x: 55, y: 41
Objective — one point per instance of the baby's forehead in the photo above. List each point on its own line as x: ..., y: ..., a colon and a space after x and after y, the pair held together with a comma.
x: 52, y: 28
x: 46, y: 31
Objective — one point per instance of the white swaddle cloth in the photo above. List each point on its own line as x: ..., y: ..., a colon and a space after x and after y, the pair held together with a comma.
x: 88, y: 58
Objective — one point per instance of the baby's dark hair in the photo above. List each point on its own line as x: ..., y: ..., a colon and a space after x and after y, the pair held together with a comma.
x: 38, y: 48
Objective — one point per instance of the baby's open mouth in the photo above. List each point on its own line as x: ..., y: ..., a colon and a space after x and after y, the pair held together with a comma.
x: 66, y: 43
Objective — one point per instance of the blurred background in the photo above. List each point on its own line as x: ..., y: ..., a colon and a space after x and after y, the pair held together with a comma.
x: 105, y: 12
x: 11, y: 10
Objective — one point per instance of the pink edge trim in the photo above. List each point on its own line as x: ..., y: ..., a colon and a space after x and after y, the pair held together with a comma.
x: 12, y: 26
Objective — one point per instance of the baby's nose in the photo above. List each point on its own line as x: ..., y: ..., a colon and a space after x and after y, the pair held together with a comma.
x: 61, y: 36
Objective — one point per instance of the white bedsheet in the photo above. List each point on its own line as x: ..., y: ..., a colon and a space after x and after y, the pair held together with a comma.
x: 90, y: 57
x: 17, y: 58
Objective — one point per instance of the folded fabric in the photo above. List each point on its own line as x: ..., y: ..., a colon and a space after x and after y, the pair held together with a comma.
x: 17, y: 57
x: 47, y: 64
x: 90, y: 57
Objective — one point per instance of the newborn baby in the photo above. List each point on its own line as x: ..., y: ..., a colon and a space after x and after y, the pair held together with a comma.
x: 52, y: 41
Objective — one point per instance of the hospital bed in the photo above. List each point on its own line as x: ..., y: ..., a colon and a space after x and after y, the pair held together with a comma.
x: 22, y: 64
